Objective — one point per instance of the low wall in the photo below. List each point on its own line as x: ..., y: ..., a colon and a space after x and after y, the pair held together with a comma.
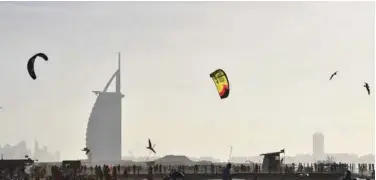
x: 247, y: 176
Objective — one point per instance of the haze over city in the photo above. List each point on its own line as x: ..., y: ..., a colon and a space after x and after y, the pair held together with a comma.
x: 278, y: 57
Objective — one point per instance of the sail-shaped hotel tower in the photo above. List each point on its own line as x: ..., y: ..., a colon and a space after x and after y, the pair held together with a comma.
x: 103, y: 134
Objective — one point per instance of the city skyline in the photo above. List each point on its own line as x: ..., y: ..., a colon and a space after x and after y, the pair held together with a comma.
x: 20, y: 150
x: 278, y: 57
x: 44, y: 155
x: 256, y: 157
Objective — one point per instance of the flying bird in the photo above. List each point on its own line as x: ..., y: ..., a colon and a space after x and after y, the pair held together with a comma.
x: 367, y: 87
x: 87, y: 150
x: 331, y: 77
x: 151, y: 147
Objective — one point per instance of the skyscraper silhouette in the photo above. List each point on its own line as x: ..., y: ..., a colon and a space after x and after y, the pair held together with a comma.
x: 103, y: 135
x: 318, y: 146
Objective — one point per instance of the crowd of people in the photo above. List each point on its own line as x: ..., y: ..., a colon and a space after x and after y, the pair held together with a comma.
x: 84, y: 172
x: 107, y: 172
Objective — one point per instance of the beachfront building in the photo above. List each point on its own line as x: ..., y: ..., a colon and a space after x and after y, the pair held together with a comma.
x: 271, y: 162
x: 103, y: 135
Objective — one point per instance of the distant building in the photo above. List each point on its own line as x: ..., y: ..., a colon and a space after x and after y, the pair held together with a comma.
x: 16, y: 151
x: 20, y: 151
x: 318, y: 146
x: 103, y: 135
x: 43, y: 155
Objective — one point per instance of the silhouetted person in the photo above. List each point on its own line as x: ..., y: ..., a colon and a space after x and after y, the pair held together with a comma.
x: 114, y: 172
x: 256, y: 168
x: 106, y: 171
x: 348, y: 176
x: 150, y: 173
x: 227, y: 172
x: 100, y: 173
x: 293, y: 167
x: 91, y: 169
x: 125, y: 172
x: 96, y: 172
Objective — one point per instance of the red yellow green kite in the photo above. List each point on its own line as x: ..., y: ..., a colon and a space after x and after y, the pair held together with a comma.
x: 221, y: 82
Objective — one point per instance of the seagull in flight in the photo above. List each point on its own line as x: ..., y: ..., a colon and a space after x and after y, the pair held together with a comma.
x: 367, y: 87
x: 151, y: 147
x: 87, y: 150
x: 331, y: 77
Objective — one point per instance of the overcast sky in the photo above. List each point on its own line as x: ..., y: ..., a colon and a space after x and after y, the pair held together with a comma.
x: 278, y: 57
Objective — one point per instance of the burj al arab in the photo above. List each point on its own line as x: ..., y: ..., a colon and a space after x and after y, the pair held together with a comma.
x: 103, y: 134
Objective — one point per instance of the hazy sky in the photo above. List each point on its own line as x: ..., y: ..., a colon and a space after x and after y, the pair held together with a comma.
x: 278, y: 56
